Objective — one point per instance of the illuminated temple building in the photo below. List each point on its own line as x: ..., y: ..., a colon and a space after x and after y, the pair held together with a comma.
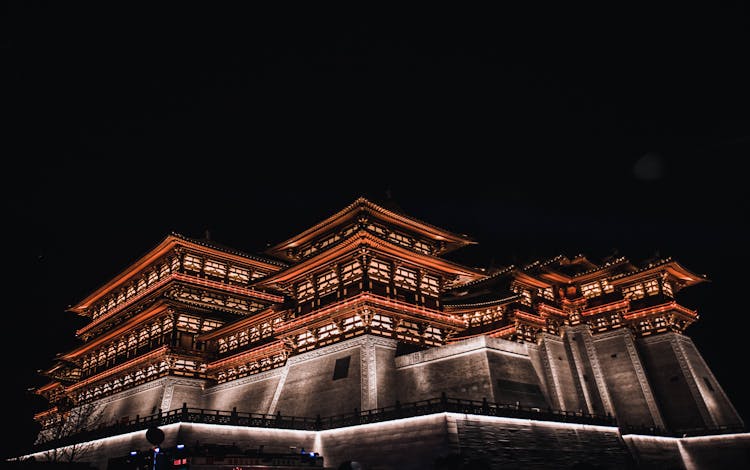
x: 362, y: 330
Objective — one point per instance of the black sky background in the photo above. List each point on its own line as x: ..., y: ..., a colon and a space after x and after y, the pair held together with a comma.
x: 536, y: 132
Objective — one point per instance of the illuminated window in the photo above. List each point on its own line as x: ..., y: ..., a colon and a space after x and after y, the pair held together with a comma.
x: 651, y: 286
x: 667, y: 288
x: 422, y: 247
x: 305, y: 291
x: 633, y: 292
x: 327, y: 331
x: 592, y: 289
x: 408, y: 331
x: 351, y: 272
x: 215, y: 268
x: 606, y: 286
x: 328, y: 241
x: 525, y: 294
x: 379, y: 270
x: 235, y: 302
x: 402, y: 240
x: 308, y: 250
x: 546, y: 293
x: 143, y: 337
x: 381, y: 321
x: 376, y: 229
x: 192, y: 263
x: 327, y: 283
x: 266, y: 330
x: 258, y: 274
x: 209, y: 325
x: 239, y: 275
x: 188, y: 323
x: 405, y: 278
x: 254, y: 333
x: 430, y: 285
x: 152, y: 277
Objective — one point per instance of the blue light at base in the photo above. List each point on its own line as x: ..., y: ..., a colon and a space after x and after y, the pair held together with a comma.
x: 180, y: 446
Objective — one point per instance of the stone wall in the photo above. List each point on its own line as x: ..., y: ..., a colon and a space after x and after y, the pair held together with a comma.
x: 310, y: 389
x: 626, y: 382
x: 473, y: 369
x: 687, y: 391
x: 424, y: 442
x: 251, y: 394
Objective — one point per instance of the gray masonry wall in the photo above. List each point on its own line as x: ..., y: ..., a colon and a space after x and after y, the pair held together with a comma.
x: 421, y: 442
x: 671, y: 389
x: 386, y: 376
x: 404, y: 444
x: 578, y: 342
x: 514, y: 379
x: 657, y: 453
x: 252, y: 394
x: 142, y: 401
x: 459, y: 370
x: 687, y: 390
x: 184, y: 392
x: 625, y: 379
x: 473, y: 369
x: 309, y: 388
x: 535, y: 358
x: 561, y: 377
x: 722, y: 452
x: 525, y: 444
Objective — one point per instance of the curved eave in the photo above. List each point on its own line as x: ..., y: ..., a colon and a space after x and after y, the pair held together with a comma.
x: 673, y: 307
x: 471, y: 307
x: 487, y: 278
x: 233, y: 327
x: 158, y: 352
x: 524, y: 278
x: 673, y: 268
x: 168, y: 244
x: 45, y: 413
x: 47, y: 387
x: 245, y: 356
x: 188, y: 279
x: 364, y: 238
x: 345, y: 307
x: 453, y: 240
x: 600, y: 271
x: 153, y: 311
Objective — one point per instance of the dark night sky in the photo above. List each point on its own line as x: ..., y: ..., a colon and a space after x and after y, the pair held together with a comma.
x: 535, y: 132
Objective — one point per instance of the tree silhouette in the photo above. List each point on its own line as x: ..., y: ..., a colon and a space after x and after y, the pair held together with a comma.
x: 70, y: 420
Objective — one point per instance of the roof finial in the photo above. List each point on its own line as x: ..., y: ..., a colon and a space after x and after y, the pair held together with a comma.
x: 207, y: 234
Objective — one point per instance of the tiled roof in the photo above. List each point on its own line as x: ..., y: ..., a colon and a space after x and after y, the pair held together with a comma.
x: 226, y: 249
